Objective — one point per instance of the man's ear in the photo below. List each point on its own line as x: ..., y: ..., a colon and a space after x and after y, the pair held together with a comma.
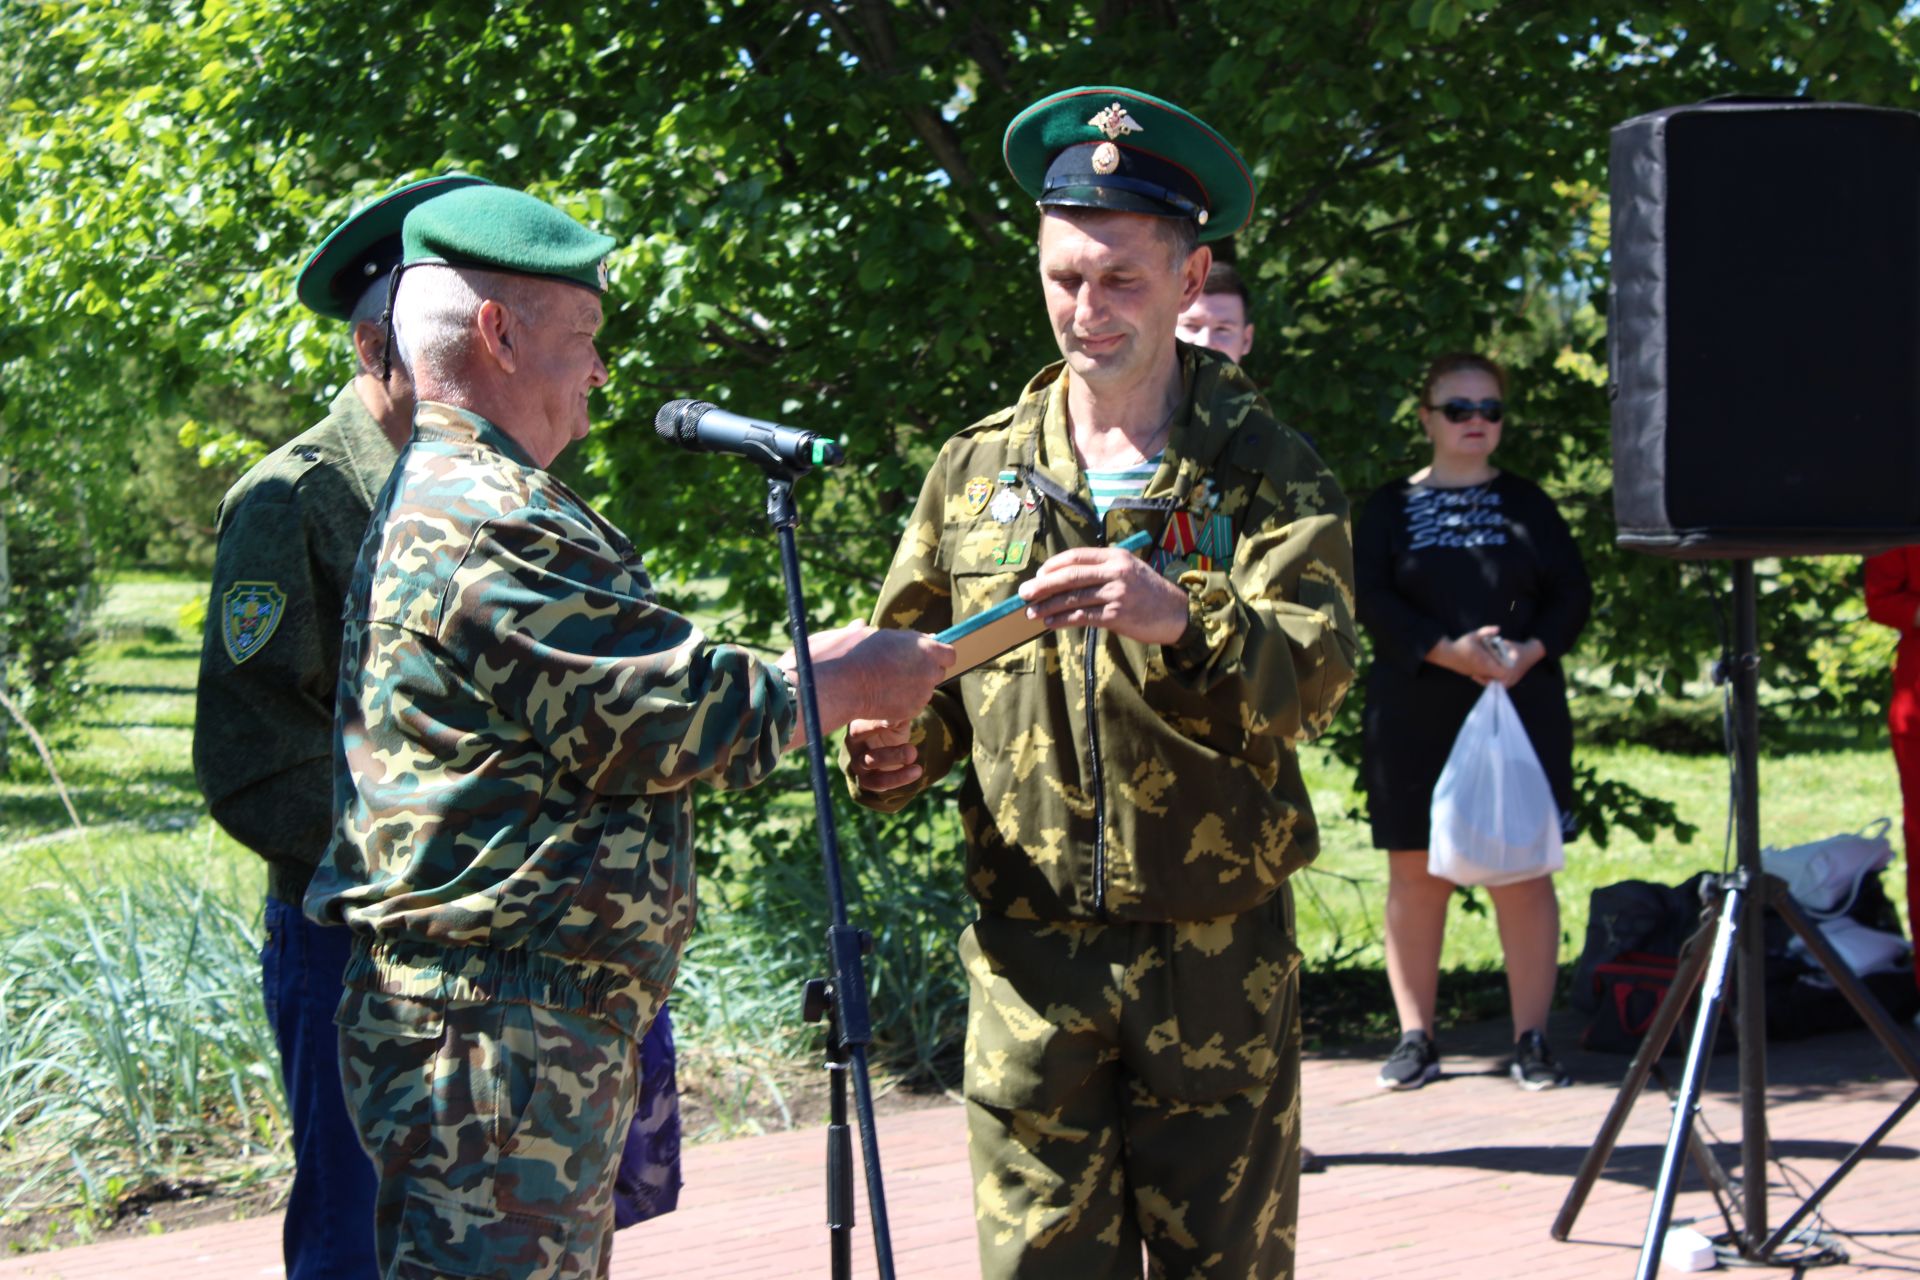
x: 495, y: 325
x: 1193, y: 275
x: 369, y: 343
x: 1246, y: 341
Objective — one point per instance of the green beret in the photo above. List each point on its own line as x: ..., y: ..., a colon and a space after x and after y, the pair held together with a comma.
x: 496, y: 229
x: 366, y: 246
x: 1104, y: 147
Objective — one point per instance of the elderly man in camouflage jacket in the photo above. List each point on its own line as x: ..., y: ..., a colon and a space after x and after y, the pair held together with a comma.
x: 519, y: 728
x: 1132, y: 804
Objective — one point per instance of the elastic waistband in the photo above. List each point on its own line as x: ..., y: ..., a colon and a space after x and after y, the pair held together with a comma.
x: 421, y: 972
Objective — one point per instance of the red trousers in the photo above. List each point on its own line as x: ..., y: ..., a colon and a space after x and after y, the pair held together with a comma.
x: 1906, y: 754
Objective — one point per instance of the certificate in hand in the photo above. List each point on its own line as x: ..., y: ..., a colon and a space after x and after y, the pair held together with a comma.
x: 992, y: 632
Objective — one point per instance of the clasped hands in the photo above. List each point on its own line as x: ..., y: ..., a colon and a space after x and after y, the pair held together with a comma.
x: 1476, y: 655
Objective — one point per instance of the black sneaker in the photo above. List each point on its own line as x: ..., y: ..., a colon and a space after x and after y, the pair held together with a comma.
x: 1533, y: 1066
x: 1413, y: 1062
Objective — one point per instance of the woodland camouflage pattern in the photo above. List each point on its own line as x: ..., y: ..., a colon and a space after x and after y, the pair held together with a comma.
x: 1195, y: 1030
x: 1132, y: 813
x: 1196, y: 808
x: 496, y: 1126
x: 519, y: 726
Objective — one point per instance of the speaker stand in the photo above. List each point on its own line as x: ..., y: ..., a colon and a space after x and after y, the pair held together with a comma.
x: 1735, y: 935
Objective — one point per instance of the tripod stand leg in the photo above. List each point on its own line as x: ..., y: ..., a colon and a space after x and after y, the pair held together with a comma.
x: 1726, y: 1192
x: 1875, y: 1016
x: 1854, y: 1157
x: 1713, y: 992
x: 1843, y: 977
x: 1673, y: 1005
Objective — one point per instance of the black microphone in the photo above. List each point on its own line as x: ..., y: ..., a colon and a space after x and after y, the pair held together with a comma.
x: 704, y: 428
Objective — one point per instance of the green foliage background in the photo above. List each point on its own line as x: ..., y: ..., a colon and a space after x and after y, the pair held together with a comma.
x: 815, y: 225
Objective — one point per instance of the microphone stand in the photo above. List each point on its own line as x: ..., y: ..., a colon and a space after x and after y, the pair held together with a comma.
x: 841, y: 1000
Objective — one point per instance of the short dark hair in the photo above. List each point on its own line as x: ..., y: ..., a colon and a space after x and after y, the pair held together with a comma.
x: 1460, y: 362
x: 1180, y: 235
x: 1223, y: 278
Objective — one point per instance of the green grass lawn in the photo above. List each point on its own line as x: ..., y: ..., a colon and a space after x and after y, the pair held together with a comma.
x: 1802, y: 797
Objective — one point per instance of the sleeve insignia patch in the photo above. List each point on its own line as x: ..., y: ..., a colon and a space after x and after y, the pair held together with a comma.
x: 250, y: 613
x: 978, y: 490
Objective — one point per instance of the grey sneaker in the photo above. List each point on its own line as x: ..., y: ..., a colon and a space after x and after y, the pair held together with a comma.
x: 1534, y: 1067
x: 1413, y: 1062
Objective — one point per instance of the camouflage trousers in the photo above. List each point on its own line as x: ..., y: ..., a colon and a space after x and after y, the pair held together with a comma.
x: 495, y: 1126
x: 1135, y: 1085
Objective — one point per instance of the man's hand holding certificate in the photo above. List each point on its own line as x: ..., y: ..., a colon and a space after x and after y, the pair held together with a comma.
x: 1108, y: 587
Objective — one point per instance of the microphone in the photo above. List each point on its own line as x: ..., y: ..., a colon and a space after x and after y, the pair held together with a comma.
x: 705, y: 428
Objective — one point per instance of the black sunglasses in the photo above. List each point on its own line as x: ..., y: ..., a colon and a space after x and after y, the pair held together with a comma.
x: 1462, y: 410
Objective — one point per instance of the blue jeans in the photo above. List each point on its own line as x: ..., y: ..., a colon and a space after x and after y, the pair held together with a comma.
x: 328, y: 1233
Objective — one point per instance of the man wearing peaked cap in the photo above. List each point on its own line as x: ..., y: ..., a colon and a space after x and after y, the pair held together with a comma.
x: 1132, y: 803
x: 263, y: 729
x: 520, y: 726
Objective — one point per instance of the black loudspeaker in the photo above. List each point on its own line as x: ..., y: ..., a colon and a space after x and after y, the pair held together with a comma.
x: 1764, y: 329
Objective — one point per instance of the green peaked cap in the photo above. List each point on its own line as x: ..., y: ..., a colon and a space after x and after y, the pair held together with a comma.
x: 1105, y: 147
x: 498, y: 229
x: 366, y: 246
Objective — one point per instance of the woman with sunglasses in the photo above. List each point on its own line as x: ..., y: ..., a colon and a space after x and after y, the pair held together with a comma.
x: 1465, y: 575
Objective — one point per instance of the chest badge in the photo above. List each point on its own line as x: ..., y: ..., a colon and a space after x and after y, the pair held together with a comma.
x: 250, y: 613
x: 1006, y: 503
x: 974, y: 496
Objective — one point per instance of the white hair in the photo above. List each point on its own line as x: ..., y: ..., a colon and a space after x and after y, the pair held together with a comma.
x: 433, y: 315
x: 433, y: 323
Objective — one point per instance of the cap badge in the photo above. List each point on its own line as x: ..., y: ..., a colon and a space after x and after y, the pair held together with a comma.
x: 1106, y: 158
x: 1115, y: 122
x: 600, y: 273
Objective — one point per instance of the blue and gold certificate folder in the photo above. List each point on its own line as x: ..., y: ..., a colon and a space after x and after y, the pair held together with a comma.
x: 992, y: 632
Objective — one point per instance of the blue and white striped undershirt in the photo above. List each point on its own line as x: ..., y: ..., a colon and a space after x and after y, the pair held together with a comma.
x: 1108, y: 487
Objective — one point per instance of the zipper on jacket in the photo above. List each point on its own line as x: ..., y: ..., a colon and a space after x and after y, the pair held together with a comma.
x: 1099, y: 778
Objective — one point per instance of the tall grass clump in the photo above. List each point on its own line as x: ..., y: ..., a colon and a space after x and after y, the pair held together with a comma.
x: 136, y: 1061
x: 762, y: 934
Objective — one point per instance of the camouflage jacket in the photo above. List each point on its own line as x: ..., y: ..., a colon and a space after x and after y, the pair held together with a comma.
x: 263, y: 720
x: 1112, y: 779
x: 518, y: 731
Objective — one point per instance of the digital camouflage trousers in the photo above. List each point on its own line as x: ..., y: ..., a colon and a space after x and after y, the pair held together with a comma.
x: 1135, y: 1085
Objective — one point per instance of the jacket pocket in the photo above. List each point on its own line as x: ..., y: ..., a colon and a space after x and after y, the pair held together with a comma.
x: 388, y: 1047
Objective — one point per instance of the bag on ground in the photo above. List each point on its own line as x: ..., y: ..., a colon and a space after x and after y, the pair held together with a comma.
x: 1494, y: 820
x: 1824, y: 875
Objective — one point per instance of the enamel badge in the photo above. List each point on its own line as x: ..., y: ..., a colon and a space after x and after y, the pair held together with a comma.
x: 1115, y: 122
x: 250, y: 613
x: 975, y: 496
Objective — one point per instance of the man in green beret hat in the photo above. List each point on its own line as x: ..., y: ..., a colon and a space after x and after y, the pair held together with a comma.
x: 263, y: 727
x: 1132, y: 803
x: 519, y: 728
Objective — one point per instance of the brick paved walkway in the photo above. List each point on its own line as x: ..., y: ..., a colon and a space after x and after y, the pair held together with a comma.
x: 1461, y: 1179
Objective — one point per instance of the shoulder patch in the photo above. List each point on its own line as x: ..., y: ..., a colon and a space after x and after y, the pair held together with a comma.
x: 250, y: 613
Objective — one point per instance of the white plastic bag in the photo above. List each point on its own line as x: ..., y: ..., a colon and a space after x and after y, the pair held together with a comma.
x: 1494, y: 819
x: 1824, y: 876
